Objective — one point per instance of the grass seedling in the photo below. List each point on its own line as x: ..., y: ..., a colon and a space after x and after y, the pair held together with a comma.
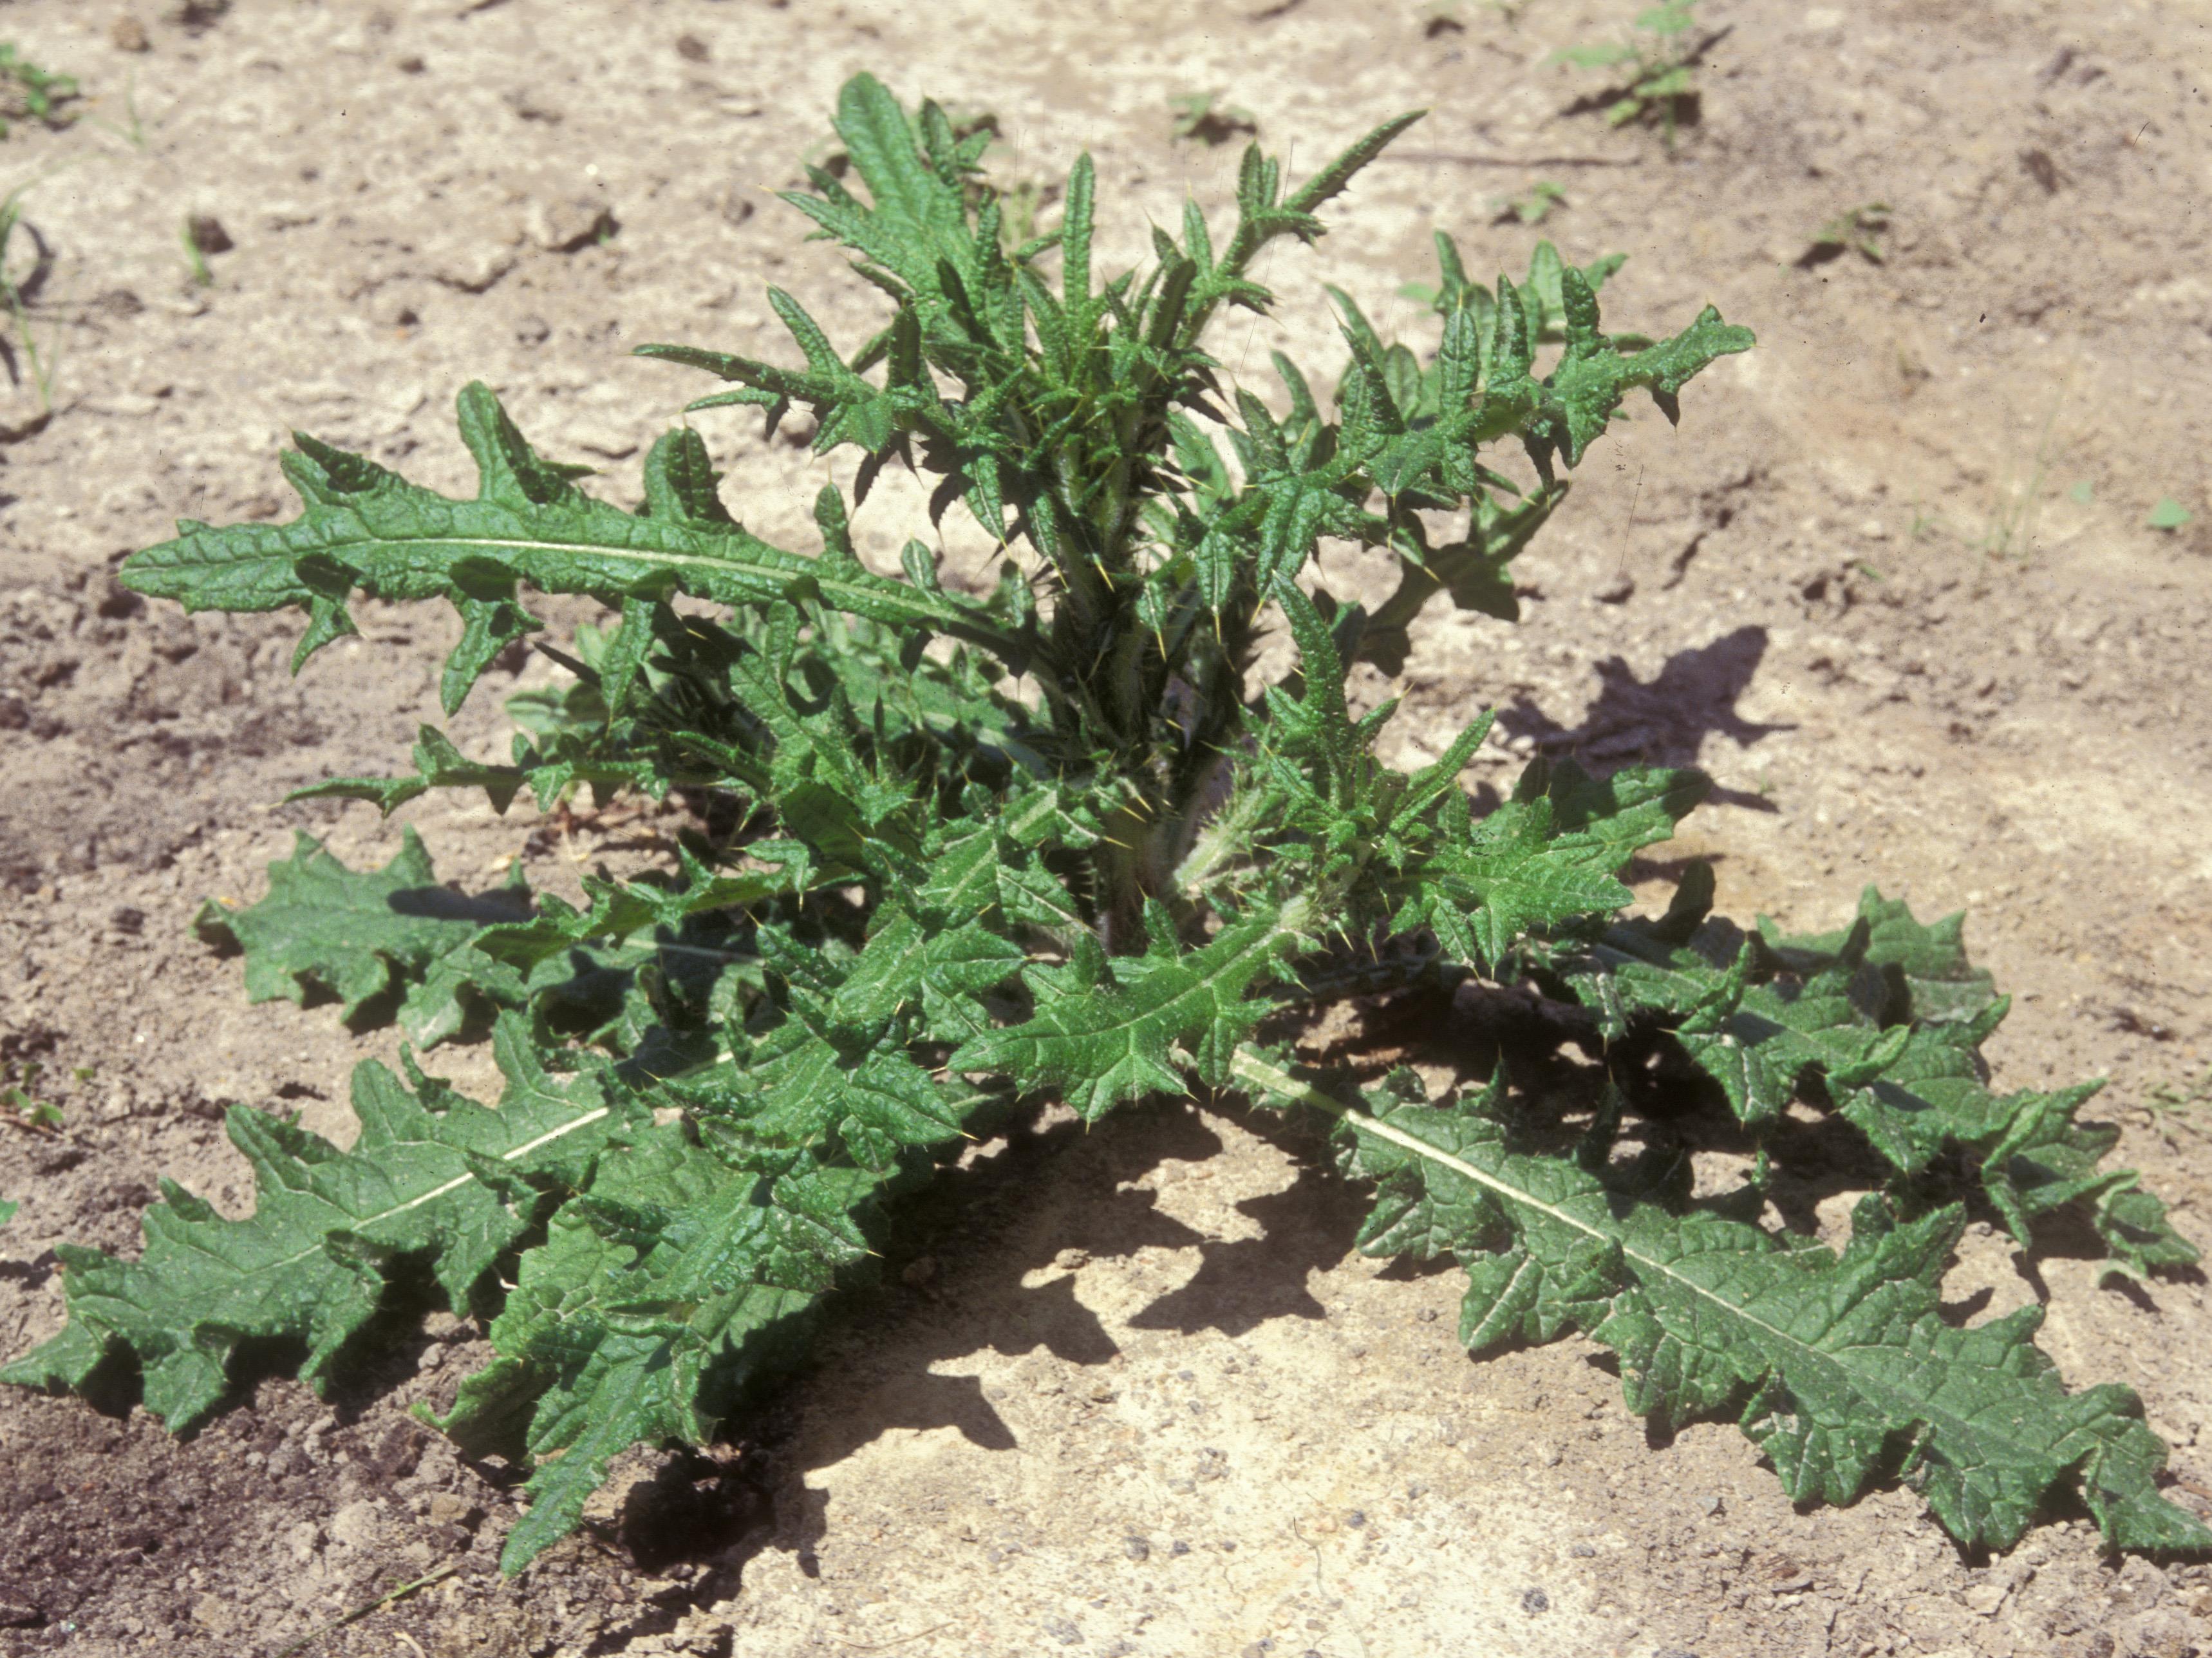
x: 132, y: 129
x: 19, y: 289
x: 2017, y: 510
x: 195, y: 255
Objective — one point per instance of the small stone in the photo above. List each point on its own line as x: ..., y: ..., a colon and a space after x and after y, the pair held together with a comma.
x: 1618, y: 590
x: 450, y: 1509
x: 1984, y: 1598
x: 357, y: 1525
x: 208, y: 235
x: 735, y: 204
x: 127, y: 34
x: 1178, y: 1547
x: 1136, y: 1548
x: 1071, y: 1260
x: 1357, y: 1519
x: 1582, y: 1551
x: 1062, y: 1630
x: 472, y: 269
x: 571, y: 222
x: 691, y: 48
x: 1709, y: 1506
x: 412, y: 64
x: 214, y: 1614
x: 1535, y: 1601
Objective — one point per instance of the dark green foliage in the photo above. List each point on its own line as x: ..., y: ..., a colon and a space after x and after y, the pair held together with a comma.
x: 1049, y: 839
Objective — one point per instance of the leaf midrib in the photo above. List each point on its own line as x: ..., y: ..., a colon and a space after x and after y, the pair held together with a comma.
x: 1914, y: 1407
x: 785, y: 567
x: 453, y: 1185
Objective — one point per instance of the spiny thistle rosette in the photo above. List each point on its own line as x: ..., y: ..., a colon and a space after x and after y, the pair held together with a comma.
x: 1045, y: 840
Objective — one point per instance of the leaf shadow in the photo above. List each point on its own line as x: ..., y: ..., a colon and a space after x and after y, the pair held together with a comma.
x: 1001, y: 1214
x: 1244, y: 1283
x: 1663, y: 720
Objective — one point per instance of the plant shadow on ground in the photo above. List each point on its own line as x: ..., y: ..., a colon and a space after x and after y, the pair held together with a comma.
x: 1662, y: 720
x: 1309, y: 1226
x: 695, y: 1518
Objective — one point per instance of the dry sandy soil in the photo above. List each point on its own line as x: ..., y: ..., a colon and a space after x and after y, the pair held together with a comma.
x: 1892, y: 582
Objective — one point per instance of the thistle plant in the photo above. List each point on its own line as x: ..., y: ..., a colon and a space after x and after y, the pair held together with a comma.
x: 968, y: 847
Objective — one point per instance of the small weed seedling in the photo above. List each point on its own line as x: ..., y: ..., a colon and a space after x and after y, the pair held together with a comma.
x: 2180, y: 1105
x: 20, y: 279
x: 1202, y: 118
x: 28, y: 92
x: 2018, y: 507
x: 2168, y: 515
x: 1854, y: 228
x: 198, y: 236
x: 132, y: 128
x: 1656, y: 81
x: 19, y: 1097
x: 977, y: 841
x: 1532, y: 207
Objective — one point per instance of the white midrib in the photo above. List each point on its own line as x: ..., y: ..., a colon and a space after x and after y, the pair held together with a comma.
x: 1903, y: 1406
x: 1254, y: 1068
x: 459, y: 1180
x: 900, y: 595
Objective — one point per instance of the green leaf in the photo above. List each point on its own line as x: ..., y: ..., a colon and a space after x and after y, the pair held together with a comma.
x: 358, y: 936
x: 368, y: 528
x: 1940, y: 983
x: 2168, y: 515
x: 1101, y: 1043
x: 1546, y: 857
x: 1829, y: 1362
x: 434, y: 1179
x: 1882, y: 1023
